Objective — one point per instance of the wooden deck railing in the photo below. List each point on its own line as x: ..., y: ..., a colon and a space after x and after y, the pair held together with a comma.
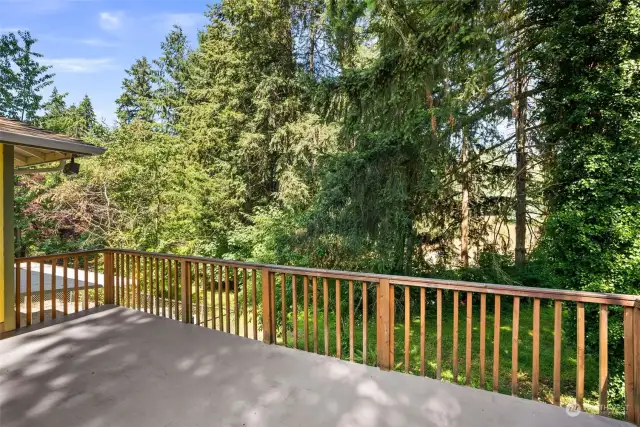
x: 303, y: 308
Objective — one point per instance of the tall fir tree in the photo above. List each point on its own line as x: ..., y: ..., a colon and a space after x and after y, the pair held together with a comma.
x: 136, y: 101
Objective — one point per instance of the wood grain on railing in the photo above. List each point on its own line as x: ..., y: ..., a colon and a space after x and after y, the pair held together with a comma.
x: 245, y: 317
x: 75, y: 284
x: 514, y: 346
x: 253, y: 303
x: 423, y: 327
x: 483, y: 338
x: 305, y: 292
x: 496, y: 343
x: 535, y: 375
x: 351, y: 322
x: 438, y: 334
x: 325, y: 314
x: 338, y: 322
x: 456, y: 304
x: 407, y: 327
x: 41, y: 291
x: 580, y: 357
x: 468, y: 349
x: 315, y: 314
x: 294, y: 296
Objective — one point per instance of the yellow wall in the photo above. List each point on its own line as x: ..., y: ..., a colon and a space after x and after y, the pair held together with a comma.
x: 2, y: 232
x: 7, y: 293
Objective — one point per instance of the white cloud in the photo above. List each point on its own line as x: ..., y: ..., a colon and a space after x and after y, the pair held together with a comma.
x: 111, y: 20
x: 79, y: 65
x: 188, y: 21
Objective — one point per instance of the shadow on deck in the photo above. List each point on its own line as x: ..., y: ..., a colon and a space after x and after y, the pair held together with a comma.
x: 120, y: 367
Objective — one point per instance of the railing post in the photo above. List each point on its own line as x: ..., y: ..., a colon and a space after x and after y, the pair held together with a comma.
x: 108, y: 278
x: 383, y: 329
x: 185, y: 267
x: 267, y: 309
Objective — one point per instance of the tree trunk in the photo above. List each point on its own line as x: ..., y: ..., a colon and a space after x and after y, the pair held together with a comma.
x: 464, y: 206
x: 521, y: 163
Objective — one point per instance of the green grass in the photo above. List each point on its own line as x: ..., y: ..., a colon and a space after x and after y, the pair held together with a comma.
x: 525, y: 350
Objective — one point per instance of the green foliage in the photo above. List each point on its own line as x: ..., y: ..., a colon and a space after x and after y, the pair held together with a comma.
x: 22, y: 78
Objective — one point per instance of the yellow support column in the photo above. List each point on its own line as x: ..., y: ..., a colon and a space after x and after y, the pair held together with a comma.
x: 7, y: 293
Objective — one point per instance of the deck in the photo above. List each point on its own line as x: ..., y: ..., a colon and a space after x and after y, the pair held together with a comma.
x: 121, y: 367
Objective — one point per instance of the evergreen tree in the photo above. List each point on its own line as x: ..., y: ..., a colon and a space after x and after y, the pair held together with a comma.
x: 136, y: 101
x: 170, y: 76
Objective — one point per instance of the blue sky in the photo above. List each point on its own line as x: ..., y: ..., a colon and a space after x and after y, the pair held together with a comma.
x: 90, y: 43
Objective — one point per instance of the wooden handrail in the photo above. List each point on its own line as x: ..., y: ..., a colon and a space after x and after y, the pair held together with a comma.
x: 489, y: 288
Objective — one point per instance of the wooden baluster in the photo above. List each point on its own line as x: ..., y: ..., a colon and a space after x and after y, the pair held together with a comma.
x: 407, y: 327
x: 245, y: 323
x: 53, y: 288
x: 86, y: 282
x: 351, y: 321
x: 76, y: 300
x: 483, y: 338
x: 138, y: 290
x: 253, y: 303
x: 604, y: 347
x: 212, y: 280
x: 283, y: 303
x: 272, y: 287
x: 305, y: 292
x: 392, y: 328
x: 438, y: 333
x: 636, y: 358
x: 145, y: 283
x: 455, y: 336
x: 228, y: 300
x: 185, y: 288
x: 96, y: 302
x: 220, y: 309
x: 176, y: 291
x: 170, y: 287
x: 267, y: 309
x: 163, y: 285
x: 119, y: 281
x: 338, y: 322
x: 205, y: 295
x: 197, y: 273
x: 580, y: 360
x: 128, y: 280
x: 236, y: 288
x: 384, y: 324
x: 514, y: 346
x: 41, y: 291
x: 17, y: 294
x: 629, y: 364
x: 365, y: 322
x: 315, y: 313
x: 496, y: 344
x: 29, y: 298
x: 325, y: 300
x: 422, y: 329
x: 65, y: 288
x: 535, y: 376
x: 294, y: 304
x: 468, y: 348
x: 158, y: 283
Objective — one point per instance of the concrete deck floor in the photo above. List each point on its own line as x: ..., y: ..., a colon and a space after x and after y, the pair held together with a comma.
x: 120, y: 367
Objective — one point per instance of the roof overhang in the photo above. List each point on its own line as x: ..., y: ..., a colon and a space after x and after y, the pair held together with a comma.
x: 34, y: 146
